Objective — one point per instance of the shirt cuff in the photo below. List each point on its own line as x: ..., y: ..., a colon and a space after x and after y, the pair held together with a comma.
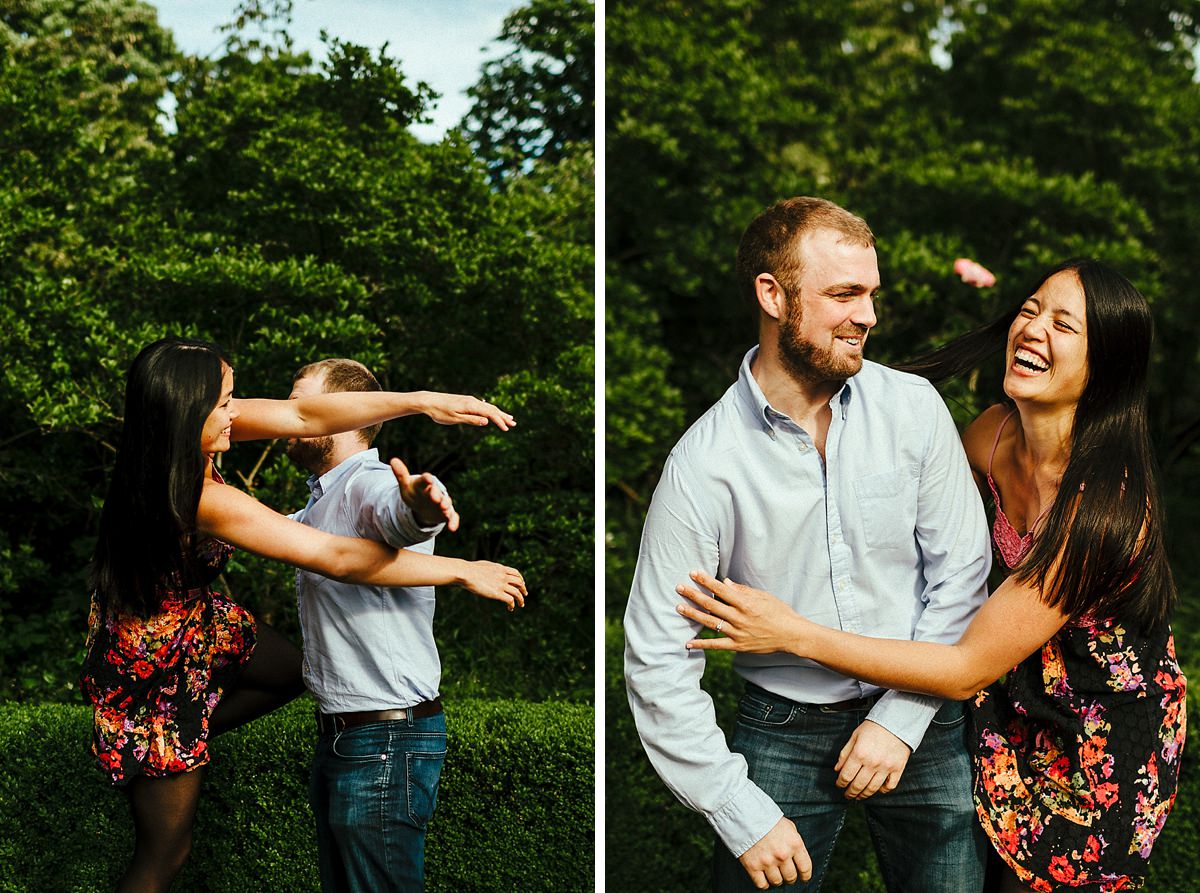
x: 905, y: 715
x: 411, y: 526
x: 746, y: 818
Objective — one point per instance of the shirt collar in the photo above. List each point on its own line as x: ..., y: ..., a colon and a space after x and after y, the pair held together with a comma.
x: 753, y: 399
x: 318, y: 486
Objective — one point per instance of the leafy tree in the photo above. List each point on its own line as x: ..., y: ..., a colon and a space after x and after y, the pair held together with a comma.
x: 537, y: 101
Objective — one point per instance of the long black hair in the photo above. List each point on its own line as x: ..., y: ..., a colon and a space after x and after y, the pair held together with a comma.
x: 1106, y: 522
x: 149, y: 515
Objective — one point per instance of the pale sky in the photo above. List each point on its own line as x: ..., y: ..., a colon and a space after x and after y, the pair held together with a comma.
x: 441, y: 42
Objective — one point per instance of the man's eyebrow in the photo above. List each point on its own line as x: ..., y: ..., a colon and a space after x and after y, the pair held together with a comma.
x: 839, y: 287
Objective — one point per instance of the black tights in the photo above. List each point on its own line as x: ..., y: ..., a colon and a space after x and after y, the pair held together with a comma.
x: 269, y: 680
x: 165, y: 808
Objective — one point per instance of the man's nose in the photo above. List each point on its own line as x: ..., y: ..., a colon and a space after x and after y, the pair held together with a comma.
x: 863, y: 313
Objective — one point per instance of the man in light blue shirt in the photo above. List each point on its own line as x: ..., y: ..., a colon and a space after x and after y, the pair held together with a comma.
x: 840, y: 486
x: 369, y: 655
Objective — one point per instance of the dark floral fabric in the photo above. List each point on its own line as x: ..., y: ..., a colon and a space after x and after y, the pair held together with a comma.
x: 153, y: 682
x: 1077, y: 756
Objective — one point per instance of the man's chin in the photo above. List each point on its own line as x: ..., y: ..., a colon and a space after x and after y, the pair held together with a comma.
x: 851, y: 367
x: 308, y: 456
x: 822, y: 366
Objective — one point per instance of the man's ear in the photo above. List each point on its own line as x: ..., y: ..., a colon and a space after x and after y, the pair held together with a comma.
x: 770, y: 294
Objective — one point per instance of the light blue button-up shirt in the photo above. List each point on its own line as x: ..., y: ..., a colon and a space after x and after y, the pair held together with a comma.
x: 886, y: 538
x: 366, y: 647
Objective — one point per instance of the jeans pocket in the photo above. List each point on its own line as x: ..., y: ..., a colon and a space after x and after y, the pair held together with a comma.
x: 424, y: 775
x: 950, y: 715
x: 362, y: 744
x: 764, y: 710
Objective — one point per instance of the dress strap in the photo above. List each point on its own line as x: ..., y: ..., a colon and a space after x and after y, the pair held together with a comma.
x: 996, y: 440
x: 1043, y: 514
x: 992, y: 455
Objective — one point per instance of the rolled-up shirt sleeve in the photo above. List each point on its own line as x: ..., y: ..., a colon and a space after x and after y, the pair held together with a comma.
x: 377, y: 511
x: 674, y: 715
x: 951, y: 531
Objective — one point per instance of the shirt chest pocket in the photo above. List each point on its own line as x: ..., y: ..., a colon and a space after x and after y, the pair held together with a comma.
x: 887, y: 506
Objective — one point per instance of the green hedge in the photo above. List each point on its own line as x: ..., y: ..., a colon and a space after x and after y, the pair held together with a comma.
x: 515, y: 807
x: 649, y: 834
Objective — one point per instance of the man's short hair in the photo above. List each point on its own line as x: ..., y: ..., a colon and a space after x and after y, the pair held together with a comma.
x: 769, y: 243
x: 341, y: 375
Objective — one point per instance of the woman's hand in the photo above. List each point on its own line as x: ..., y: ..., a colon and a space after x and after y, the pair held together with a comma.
x: 495, y: 581
x: 458, y: 409
x: 750, y: 619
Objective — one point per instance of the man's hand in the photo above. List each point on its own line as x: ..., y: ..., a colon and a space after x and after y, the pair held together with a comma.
x: 458, y: 409
x: 872, y: 760
x: 496, y: 581
x: 429, y: 502
x: 779, y: 858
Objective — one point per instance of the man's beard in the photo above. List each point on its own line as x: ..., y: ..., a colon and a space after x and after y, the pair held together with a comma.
x: 310, y: 453
x: 807, y: 362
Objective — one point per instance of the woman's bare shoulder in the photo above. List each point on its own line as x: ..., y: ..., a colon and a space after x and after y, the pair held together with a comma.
x: 979, y: 436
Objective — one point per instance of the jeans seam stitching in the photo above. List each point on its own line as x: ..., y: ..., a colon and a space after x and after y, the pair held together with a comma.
x: 385, y: 779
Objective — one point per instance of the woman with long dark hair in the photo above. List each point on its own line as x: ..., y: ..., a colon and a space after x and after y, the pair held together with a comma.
x: 1077, y: 749
x: 171, y: 661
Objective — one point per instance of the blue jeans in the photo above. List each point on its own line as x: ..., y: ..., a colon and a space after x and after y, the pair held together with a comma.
x: 373, y: 789
x: 925, y: 832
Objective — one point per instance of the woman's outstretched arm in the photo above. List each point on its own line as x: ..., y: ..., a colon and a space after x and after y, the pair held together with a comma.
x: 321, y: 414
x: 1011, y: 625
x: 230, y: 515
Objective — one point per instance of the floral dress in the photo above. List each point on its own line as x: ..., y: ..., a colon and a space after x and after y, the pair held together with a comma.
x: 1077, y: 756
x: 1077, y: 749
x: 153, y: 682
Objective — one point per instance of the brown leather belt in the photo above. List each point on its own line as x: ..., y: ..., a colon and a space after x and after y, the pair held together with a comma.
x: 852, y: 704
x: 336, y: 722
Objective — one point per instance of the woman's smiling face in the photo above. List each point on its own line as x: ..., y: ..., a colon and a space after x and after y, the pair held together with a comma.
x: 214, y: 438
x: 1047, y: 356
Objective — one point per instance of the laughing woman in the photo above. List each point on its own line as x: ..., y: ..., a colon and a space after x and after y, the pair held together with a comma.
x: 1077, y: 748
x: 170, y: 660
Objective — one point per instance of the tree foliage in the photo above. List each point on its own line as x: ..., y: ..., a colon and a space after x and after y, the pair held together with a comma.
x: 289, y: 215
x: 537, y: 101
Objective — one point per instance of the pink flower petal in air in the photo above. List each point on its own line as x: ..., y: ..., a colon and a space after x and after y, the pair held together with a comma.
x: 974, y: 274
